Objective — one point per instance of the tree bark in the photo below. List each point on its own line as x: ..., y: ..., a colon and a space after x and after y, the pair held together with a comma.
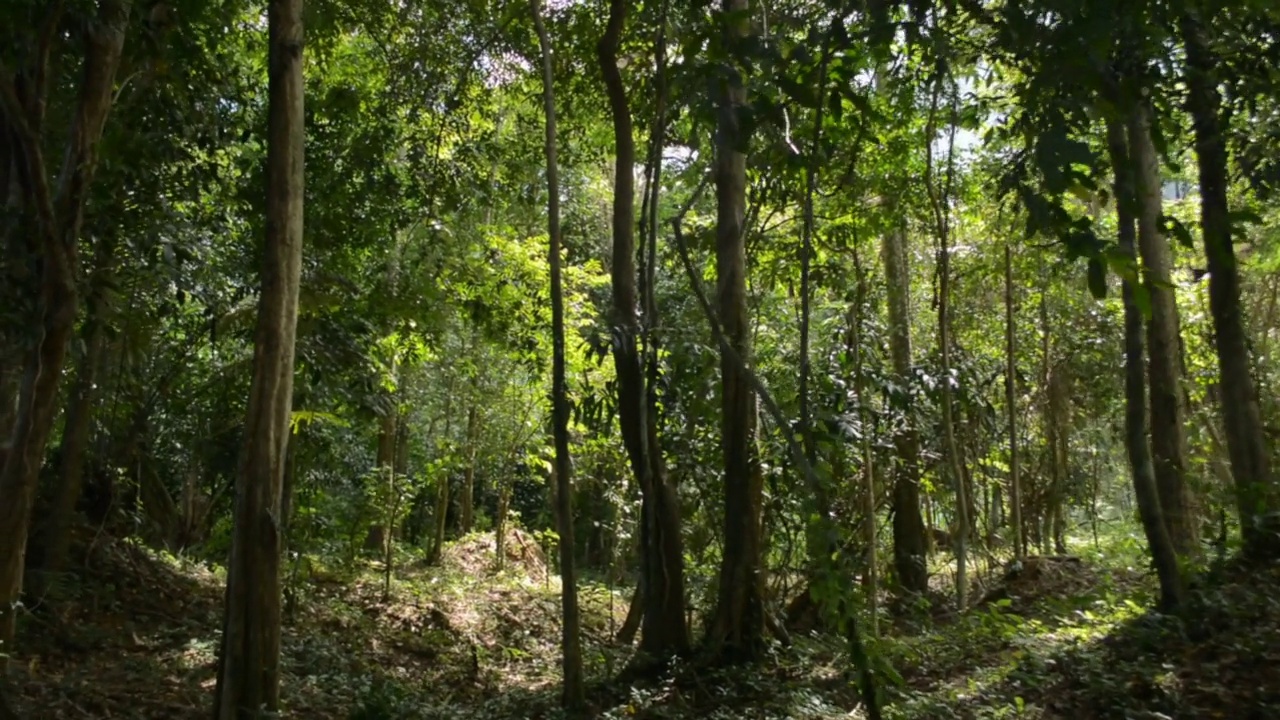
x: 573, y: 696
x: 467, y: 501
x: 1144, y: 483
x: 736, y: 631
x: 249, y: 671
x: 909, y: 540
x: 664, y: 632
x: 1256, y: 486
x: 58, y: 219
x: 1011, y: 401
x: 1164, y: 367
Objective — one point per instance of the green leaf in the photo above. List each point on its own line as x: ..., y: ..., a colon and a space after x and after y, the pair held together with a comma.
x: 1173, y: 226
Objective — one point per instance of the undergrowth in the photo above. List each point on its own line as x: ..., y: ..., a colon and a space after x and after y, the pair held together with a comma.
x: 134, y: 633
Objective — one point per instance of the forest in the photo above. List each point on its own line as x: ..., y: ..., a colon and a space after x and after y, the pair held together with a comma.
x: 807, y: 359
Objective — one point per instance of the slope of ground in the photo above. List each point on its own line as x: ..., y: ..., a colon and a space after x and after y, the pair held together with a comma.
x: 133, y: 634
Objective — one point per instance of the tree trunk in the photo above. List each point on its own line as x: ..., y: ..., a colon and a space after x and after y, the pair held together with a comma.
x: 1011, y: 400
x: 1164, y: 367
x: 467, y: 501
x: 871, y: 581
x: 909, y: 540
x: 59, y: 217
x: 573, y: 696
x: 736, y: 631
x: 56, y: 542
x: 661, y: 554
x: 1144, y: 483
x: 249, y: 673
x: 1256, y: 486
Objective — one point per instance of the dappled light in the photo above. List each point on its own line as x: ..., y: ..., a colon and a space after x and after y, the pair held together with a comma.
x: 568, y: 359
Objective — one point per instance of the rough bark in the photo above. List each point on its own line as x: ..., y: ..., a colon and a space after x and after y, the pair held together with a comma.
x: 664, y: 632
x: 573, y: 696
x: 909, y: 541
x: 59, y: 216
x: 736, y: 630
x: 249, y: 664
x: 1257, y: 496
x: 1164, y: 367
x: 1135, y: 416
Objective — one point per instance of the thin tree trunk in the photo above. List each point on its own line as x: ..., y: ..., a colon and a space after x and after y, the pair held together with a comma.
x: 1164, y: 368
x: 249, y: 673
x: 59, y: 216
x: 871, y: 580
x: 1011, y: 400
x: 1144, y: 483
x: 1256, y: 485
x: 574, y: 692
x: 737, y: 628
x: 467, y: 501
x: 661, y: 557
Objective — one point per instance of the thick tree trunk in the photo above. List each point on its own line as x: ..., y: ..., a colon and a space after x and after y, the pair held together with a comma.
x: 249, y: 668
x: 1144, y: 483
x: 736, y: 631
x: 573, y: 696
x: 909, y: 540
x: 59, y: 217
x: 1256, y: 485
x: 56, y: 541
x: 1164, y: 367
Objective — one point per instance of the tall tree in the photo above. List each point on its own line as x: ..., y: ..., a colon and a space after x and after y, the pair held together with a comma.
x: 909, y: 541
x: 1257, y: 496
x: 1135, y: 414
x: 664, y: 631
x: 1011, y: 403
x: 736, y: 629
x: 1164, y: 366
x: 249, y: 664
x: 58, y: 212
x: 573, y: 696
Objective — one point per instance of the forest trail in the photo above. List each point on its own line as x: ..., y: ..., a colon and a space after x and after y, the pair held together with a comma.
x: 134, y: 635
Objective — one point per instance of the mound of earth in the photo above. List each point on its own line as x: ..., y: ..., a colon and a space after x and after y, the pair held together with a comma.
x: 477, y: 554
x: 1033, y: 578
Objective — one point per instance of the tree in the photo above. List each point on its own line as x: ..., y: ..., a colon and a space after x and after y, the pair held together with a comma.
x: 248, y: 672
x: 573, y: 694
x: 1135, y: 414
x: 1164, y: 348
x: 737, y: 625
x: 1256, y: 485
x: 59, y: 214
x: 661, y: 554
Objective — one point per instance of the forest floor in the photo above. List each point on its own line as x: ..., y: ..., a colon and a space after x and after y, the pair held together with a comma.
x: 133, y: 634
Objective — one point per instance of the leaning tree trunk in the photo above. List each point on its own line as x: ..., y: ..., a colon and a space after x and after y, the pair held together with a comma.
x: 249, y: 665
x: 664, y: 632
x: 58, y: 218
x: 1256, y: 486
x: 1164, y: 367
x: 1135, y: 416
x: 573, y: 696
x: 736, y: 630
x: 56, y: 542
